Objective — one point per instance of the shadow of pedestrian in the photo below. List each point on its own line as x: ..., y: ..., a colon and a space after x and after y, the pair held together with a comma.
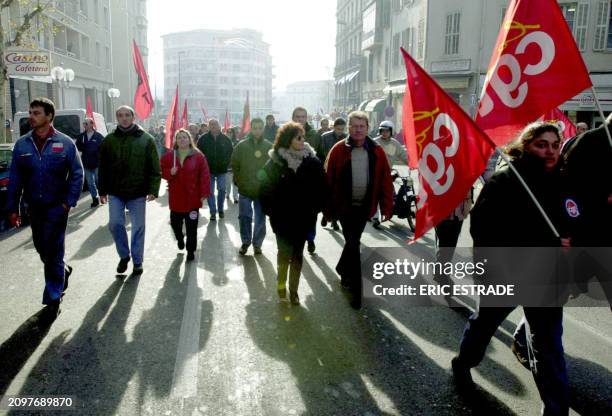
x: 16, y: 351
x: 590, y: 387
x: 100, y: 237
x: 216, y: 251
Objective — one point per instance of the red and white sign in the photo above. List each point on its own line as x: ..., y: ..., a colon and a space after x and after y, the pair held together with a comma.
x: 535, y: 67
x: 444, y: 143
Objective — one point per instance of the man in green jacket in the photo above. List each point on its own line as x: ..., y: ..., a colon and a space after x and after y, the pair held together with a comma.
x: 248, y: 160
x: 129, y: 175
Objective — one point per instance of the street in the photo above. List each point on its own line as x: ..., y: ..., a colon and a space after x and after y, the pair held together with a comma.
x: 210, y: 337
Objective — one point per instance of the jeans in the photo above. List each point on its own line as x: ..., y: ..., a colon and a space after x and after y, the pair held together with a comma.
x: 220, y: 180
x: 91, y: 176
x: 289, y: 259
x: 248, y: 233
x: 48, y: 233
x: 191, y: 225
x: 231, y: 188
x: 116, y: 225
x: 349, y: 265
x: 546, y: 326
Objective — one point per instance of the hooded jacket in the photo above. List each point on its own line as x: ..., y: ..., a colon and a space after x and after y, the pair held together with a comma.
x: 191, y: 182
x: 129, y: 164
x: 293, y: 198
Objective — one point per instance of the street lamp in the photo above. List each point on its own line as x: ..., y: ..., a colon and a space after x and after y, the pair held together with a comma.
x: 112, y: 94
x: 63, y: 77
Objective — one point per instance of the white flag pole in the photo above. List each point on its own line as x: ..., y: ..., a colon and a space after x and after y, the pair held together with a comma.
x: 601, y: 114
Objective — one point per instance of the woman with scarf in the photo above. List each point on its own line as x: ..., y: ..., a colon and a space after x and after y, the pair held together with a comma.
x: 186, y: 170
x: 505, y: 216
x: 293, y: 193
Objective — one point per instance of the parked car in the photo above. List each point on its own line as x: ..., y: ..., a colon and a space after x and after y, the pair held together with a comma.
x: 69, y: 122
x: 6, y: 155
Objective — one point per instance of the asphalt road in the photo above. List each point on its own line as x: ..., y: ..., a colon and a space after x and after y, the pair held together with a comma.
x: 210, y: 338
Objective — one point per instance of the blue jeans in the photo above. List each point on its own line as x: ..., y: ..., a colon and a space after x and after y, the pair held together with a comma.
x: 248, y: 233
x: 116, y: 225
x: 91, y: 176
x: 232, y: 189
x: 221, y: 186
x: 546, y: 326
x: 48, y: 233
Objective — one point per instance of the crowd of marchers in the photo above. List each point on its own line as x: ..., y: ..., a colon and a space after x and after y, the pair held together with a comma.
x: 291, y: 174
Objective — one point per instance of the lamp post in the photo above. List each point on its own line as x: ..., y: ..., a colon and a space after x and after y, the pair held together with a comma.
x: 63, y: 77
x: 112, y: 94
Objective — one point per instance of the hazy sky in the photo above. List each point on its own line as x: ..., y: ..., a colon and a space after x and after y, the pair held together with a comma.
x: 301, y: 34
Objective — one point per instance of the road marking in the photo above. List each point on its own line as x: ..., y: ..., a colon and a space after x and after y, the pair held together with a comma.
x: 185, y: 379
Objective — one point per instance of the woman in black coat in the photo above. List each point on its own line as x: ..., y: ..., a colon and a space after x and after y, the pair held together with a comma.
x: 293, y: 192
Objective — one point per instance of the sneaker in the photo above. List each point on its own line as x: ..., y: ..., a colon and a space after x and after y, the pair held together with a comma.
x: 67, y: 273
x: 376, y: 223
x: 323, y: 222
x: 181, y: 244
x: 137, y: 270
x: 213, y: 217
x: 190, y: 256
x: 311, y: 247
x: 50, y: 312
x: 462, y: 376
x: 243, y: 249
x: 282, y: 292
x: 520, y: 352
x: 235, y: 201
x: 222, y: 215
x: 335, y: 226
x: 257, y: 250
x: 95, y: 203
x: 294, y: 298
x: 122, y: 266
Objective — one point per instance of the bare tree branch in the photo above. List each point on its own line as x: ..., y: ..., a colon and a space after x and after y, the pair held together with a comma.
x: 6, y: 3
x: 27, y: 21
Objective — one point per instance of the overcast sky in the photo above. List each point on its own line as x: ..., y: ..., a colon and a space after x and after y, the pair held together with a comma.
x: 301, y: 34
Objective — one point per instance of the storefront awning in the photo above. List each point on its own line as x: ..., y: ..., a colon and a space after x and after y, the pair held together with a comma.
x: 395, y: 89
x: 376, y: 105
x: 46, y: 79
x: 363, y: 104
x: 351, y: 76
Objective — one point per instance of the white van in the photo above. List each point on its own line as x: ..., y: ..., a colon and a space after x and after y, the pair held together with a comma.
x: 69, y: 122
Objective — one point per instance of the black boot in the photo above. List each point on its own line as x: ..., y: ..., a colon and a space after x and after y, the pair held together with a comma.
x: 95, y: 202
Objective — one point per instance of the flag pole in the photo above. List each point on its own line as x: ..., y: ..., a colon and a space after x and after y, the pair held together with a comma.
x: 601, y: 114
x: 533, y: 198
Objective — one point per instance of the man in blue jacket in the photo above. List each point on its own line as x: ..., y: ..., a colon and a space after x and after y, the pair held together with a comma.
x: 88, y: 144
x: 46, y: 171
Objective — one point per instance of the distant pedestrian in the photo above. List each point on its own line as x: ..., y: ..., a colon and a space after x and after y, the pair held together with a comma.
x: 186, y: 170
x: 194, y: 130
x: 217, y: 148
x: 324, y: 127
x: 89, y: 143
x: 359, y: 179
x: 270, y: 129
x: 129, y: 177
x: 249, y: 158
x: 203, y: 130
x: 293, y: 192
x: 46, y: 171
x: 328, y: 140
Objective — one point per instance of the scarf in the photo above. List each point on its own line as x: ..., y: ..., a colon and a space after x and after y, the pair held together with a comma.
x: 294, y: 158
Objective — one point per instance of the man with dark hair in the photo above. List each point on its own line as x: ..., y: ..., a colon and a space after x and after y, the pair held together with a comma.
x: 359, y: 178
x: 88, y: 144
x: 46, y: 171
x: 328, y: 140
x: 270, y: 129
x: 217, y: 148
x: 324, y: 127
x: 130, y: 176
x: 249, y: 158
x: 300, y: 115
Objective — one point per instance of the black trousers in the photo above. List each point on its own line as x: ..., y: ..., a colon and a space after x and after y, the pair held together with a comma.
x: 447, y: 235
x: 290, y: 258
x: 191, y: 225
x: 349, y: 266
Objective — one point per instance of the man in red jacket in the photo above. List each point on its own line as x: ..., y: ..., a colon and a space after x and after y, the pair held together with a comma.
x: 360, y: 179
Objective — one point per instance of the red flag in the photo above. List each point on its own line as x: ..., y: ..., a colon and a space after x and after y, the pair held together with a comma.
x: 226, y: 126
x: 246, y: 117
x: 143, y: 99
x: 444, y: 143
x: 535, y: 67
x: 184, y: 117
x: 203, y: 111
x: 566, y: 127
x: 89, y: 111
x: 172, y: 121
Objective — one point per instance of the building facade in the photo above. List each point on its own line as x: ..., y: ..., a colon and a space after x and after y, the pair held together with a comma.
x: 215, y: 69
x: 315, y: 96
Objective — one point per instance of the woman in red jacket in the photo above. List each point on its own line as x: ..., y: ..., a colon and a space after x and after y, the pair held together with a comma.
x: 186, y: 170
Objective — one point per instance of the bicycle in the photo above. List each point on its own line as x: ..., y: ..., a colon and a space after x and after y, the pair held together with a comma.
x: 404, y: 200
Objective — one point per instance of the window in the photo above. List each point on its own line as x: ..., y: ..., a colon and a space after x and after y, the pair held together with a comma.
x: 396, y: 51
x: 107, y: 57
x: 603, y: 28
x: 97, y: 53
x: 569, y: 13
x: 387, y: 62
x: 421, y: 41
x: 106, y: 19
x: 451, y: 38
x: 582, y: 21
x: 371, y: 68
x: 83, y: 6
x: 407, y: 36
x: 96, y: 7
x: 85, y: 48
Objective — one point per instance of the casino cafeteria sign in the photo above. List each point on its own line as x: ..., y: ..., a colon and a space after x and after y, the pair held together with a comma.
x: 27, y: 62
